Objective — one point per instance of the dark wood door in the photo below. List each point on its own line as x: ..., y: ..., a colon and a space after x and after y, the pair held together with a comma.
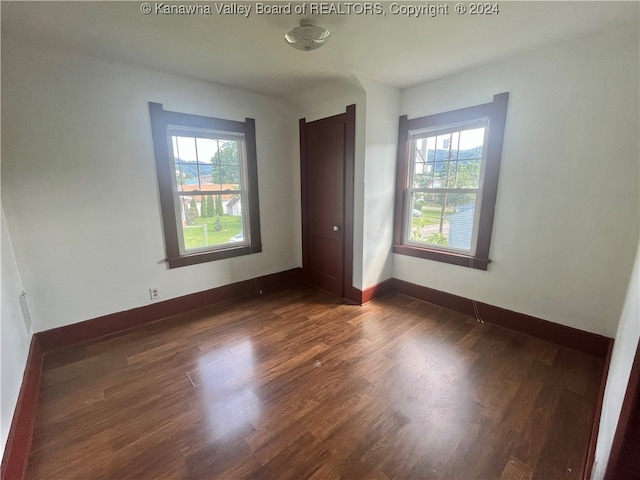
x: 326, y: 154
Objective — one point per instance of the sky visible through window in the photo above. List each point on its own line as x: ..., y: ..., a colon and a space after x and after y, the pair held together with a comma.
x: 186, y: 147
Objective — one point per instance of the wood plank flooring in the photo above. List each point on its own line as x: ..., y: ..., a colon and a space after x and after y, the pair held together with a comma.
x: 296, y: 385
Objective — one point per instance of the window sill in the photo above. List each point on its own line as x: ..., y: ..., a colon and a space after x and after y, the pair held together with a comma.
x: 442, y: 256
x: 203, y: 257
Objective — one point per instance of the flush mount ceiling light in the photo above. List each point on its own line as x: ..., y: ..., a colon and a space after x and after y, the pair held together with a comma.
x: 307, y: 36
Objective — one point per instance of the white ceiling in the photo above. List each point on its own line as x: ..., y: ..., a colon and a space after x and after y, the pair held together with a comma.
x: 250, y: 53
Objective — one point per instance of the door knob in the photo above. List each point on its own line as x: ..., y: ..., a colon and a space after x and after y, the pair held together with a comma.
x: 335, y: 228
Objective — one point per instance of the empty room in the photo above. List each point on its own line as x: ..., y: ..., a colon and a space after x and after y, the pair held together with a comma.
x: 320, y: 240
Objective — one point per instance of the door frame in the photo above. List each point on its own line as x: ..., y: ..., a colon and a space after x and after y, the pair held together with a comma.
x: 349, y: 293
x: 623, y: 460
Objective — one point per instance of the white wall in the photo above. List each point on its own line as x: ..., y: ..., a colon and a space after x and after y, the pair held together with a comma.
x: 14, y: 336
x: 381, y: 144
x: 624, y: 350
x: 79, y: 185
x: 566, y: 224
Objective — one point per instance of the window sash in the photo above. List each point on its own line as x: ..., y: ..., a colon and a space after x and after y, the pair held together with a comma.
x: 196, y: 133
x: 442, y: 190
x: 435, y: 132
x: 408, y: 221
x: 246, y: 233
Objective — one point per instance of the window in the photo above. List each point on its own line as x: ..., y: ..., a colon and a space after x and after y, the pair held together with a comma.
x: 208, y: 183
x: 447, y: 180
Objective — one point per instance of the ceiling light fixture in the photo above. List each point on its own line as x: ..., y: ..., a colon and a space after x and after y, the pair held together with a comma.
x: 307, y: 36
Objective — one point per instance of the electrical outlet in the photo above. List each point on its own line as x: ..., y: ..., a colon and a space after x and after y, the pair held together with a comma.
x: 154, y: 293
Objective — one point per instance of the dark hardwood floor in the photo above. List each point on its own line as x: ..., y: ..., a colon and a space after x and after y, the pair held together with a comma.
x: 296, y: 385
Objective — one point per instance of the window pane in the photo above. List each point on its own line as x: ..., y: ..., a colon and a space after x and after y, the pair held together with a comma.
x: 180, y: 177
x: 471, y: 142
x: 421, y: 170
x: 229, y: 152
x: 441, y: 175
x: 207, y: 149
x: 184, y: 149
x: 211, y: 220
x: 206, y: 163
x: 469, y: 174
x: 226, y: 165
x: 431, y: 148
x: 444, y: 220
x: 448, y: 160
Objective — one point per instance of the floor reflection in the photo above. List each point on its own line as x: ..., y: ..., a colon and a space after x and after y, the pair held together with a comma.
x: 222, y: 379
